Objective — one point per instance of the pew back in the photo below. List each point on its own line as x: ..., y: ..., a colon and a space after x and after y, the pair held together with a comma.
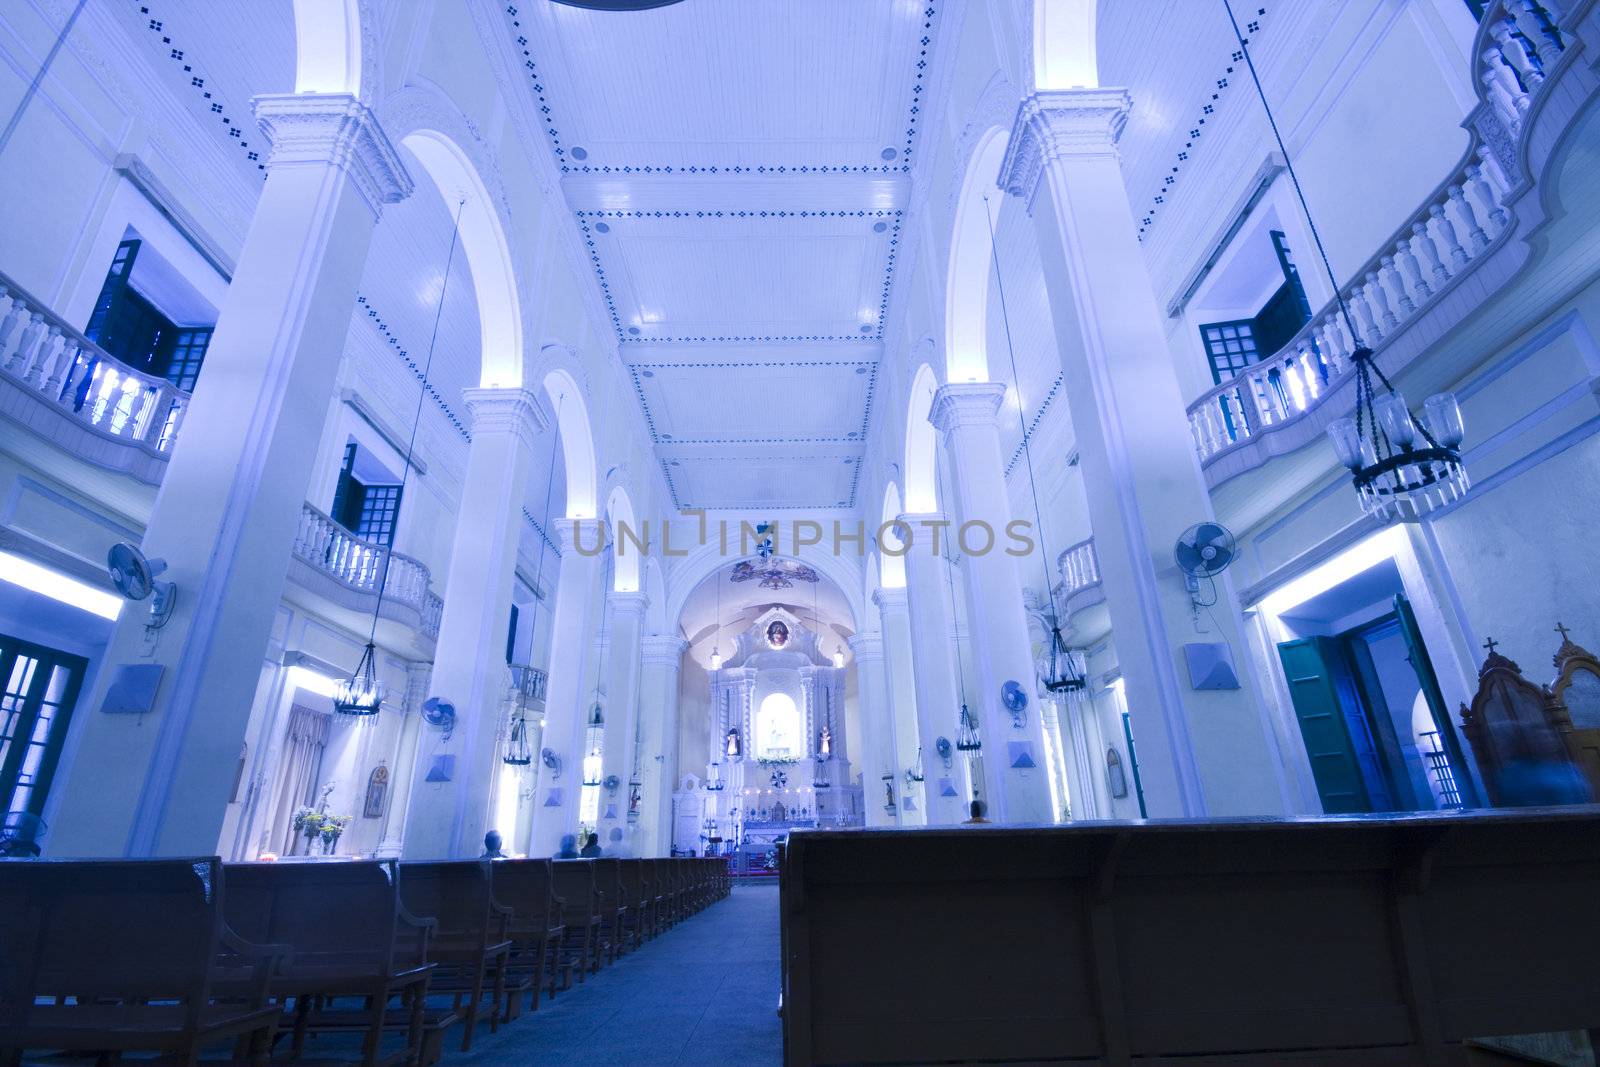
x: 344, y: 911
x: 1245, y: 940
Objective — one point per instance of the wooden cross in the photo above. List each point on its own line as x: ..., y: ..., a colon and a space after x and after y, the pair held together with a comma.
x: 1562, y: 630
x: 1489, y: 644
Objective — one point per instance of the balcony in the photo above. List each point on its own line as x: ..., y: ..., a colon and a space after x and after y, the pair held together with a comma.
x: 348, y: 569
x: 1433, y: 272
x: 73, y: 393
x: 527, y: 688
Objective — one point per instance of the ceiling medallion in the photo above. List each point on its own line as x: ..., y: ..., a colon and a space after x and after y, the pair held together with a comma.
x: 772, y: 573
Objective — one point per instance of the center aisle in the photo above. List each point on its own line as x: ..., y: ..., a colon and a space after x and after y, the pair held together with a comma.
x: 703, y: 994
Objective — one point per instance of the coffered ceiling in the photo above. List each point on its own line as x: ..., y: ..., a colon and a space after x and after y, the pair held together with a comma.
x: 739, y: 173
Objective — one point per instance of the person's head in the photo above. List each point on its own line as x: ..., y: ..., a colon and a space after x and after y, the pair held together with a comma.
x: 615, y: 836
x: 568, y: 842
x: 594, y: 838
x: 977, y: 808
x: 492, y: 842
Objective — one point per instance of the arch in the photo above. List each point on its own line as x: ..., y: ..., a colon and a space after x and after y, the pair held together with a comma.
x: 577, y: 440
x: 655, y: 588
x: 328, y: 52
x: 1064, y: 45
x: 778, y: 734
x: 488, y: 255
x: 922, y: 493
x: 891, y: 568
x: 966, y: 314
x: 619, y: 513
x: 689, y: 571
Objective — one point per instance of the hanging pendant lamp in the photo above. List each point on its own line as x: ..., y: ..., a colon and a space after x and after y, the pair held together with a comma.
x: 362, y: 693
x: 1401, y: 467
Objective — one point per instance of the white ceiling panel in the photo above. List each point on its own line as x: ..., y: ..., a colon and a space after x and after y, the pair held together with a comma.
x: 758, y: 402
x: 733, y: 275
x: 776, y: 479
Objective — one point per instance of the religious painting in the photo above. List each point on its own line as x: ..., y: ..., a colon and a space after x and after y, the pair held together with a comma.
x: 777, y: 633
x: 377, y: 792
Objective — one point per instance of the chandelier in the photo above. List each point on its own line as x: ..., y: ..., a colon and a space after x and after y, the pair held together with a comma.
x: 967, y: 739
x: 1064, y: 675
x: 772, y: 573
x: 517, y: 753
x: 361, y: 693
x: 1402, y: 467
x: 1395, y: 475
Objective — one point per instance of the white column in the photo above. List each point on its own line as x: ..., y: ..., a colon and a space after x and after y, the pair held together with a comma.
x: 877, y: 727
x: 229, y: 506
x: 933, y: 650
x: 900, y: 680
x: 449, y: 818
x: 661, y: 659
x: 392, y: 841
x: 967, y: 413
x: 569, y: 691
x: 622, y: 708
x: 1200, y: 753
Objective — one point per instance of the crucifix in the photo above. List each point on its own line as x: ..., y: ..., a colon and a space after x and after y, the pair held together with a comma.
x: 1490, y: 644
x: 1562, y: 630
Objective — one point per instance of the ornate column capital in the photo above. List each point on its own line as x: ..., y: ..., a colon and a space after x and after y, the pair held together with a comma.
x: 513, y: 410
x: 962, y: 404
x: 585, y: 537
x: 1052, y: 124
x: 891, y: 598
x: 632, y: 604
x: 322, y: 128
x: 868, y: 648
x: 663, y: 650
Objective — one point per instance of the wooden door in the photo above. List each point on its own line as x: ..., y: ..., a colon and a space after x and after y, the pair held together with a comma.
x: 1309, y: 666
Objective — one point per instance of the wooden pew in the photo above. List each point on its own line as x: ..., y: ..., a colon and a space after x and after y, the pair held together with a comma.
x: 537, y: 927
x: 638, y: 900
x: 574, y: 882
x: 1335, y: 942
x: 350, y: 938
x: 656, y: 875
x: 127, y: 955
x: 611, y: 904
x: 472, y: 942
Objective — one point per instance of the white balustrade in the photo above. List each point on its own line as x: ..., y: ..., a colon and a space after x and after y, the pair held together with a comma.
x: 360, y: 564
x: 42, y: 353
x: 1079, y: 568
x: 1447, y: 235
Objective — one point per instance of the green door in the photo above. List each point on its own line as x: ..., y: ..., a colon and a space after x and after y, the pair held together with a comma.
x: 1308, y: 666
x: 1453, y: 769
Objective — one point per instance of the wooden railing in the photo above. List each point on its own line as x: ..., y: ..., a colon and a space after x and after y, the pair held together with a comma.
x: 360, y: 564
x: 43, y: 353
x: 1444, y: 239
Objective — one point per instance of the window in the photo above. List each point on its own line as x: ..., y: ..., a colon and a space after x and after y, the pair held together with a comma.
x: 368, y: 510
x: 135, y: 331
x: 1234, y: 345
x: 778, y: 728
x: 40, y: 688
x: 511, y: 636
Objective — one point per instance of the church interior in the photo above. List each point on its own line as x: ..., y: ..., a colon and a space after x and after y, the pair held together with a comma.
x: 806, y: 532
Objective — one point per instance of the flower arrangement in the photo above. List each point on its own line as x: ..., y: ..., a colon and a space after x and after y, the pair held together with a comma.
x: 312, y: 824
x: 776, y: 761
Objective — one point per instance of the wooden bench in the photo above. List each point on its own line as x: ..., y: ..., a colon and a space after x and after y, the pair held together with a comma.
x: 537, y: 928
x: 638, y: 900
x: 611, y: 904
x: 351, y: 939
x: 128, y: 955
x: 574, y: 883
x: 1330, y: 942
x: 471, y: 944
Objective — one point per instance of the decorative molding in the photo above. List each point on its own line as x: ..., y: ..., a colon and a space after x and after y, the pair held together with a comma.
x: 891, y: 598
x: 962, y: 404
x: 321, y: 128
x: 630, y: 603
x: 662, y: 650
x: 1056, y: 124
x: 1033, y: 424
x: 850, y: 437
x: 501, y: 411
x: 393, y: 340
x: 568, y: 532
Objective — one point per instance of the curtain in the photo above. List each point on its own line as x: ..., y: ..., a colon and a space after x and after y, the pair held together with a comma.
x: 301, y: 768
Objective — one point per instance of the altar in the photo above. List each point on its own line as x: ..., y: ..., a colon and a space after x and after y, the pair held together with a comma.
x: 778, y: 760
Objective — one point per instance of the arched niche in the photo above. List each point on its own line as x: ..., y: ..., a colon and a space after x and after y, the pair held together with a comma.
x: 1064, y: 44
x: 922, y: 494
x: 971, y: 252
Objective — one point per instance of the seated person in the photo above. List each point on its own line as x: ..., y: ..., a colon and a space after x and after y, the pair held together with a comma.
x: 493, y: 846
x: 569, y: 848
x: 591, y: 848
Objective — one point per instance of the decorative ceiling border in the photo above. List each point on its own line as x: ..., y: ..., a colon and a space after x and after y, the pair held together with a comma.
x: 1207, y: 110
x: 850, y: 501
x: 540, y: 530
x: 637, y: 371
x: 569, y: 162
x: 892, y: 218
x: 1033, y: 424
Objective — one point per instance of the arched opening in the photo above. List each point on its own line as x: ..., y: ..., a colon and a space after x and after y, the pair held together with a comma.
x: 328, y: 47
x: 971, y: 251
x: 626, y: 537
x: 922, y: 494
x: 483, y: 244
x: 571, y: 416
x: 892, y: 563
x: 1064, y: 45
